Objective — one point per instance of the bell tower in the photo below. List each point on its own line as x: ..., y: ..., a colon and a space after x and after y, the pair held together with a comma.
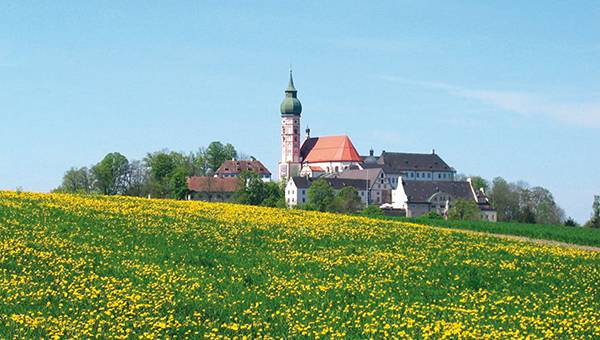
x: 290, y: 132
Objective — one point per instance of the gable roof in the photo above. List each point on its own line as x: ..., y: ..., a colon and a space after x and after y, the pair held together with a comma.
x: 237, y: 167
x: 372, y: 175
x: 329, y: 149
x: 394, y: 162
x: 421, y: 191
x: 213, y: 184
x: 336, y: 183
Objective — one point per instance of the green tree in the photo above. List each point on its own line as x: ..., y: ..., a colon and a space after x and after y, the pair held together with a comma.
x: 161, y: 167
x: 546, y: 209
x: 251, y: 189
x: 217, y: 153
x: 274, y: 195
x: 464, y: 210
x: 570, y: 222
x: 200, y: 163
x: 178, y: 183
x: 347, y: 200
x: 594, y: 222
x: 111, y: 174
x: 137, y: 180
x: 77, y: 180
x: 526, y: 215
x: 479, y: 183
x: 505, y: 199
x: 320, y: 195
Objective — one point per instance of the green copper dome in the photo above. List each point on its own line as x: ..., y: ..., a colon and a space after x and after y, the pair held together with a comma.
x: 290, y: 104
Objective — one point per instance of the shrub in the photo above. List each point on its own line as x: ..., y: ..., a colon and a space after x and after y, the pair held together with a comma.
x: 372, y: 210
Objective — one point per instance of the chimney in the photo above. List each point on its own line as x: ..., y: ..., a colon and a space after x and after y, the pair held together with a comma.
x: 371, y: 152
x: 433, y: 151
x: 307, y: 132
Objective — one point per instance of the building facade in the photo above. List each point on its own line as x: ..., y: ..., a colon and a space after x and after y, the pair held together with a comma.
x: 296, y: 189
x: 411, y: 166
x: 212, y: 189
x: 420, y: 197
x: 378, y: 186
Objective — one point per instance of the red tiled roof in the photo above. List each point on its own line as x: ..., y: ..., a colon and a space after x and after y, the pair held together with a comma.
x: 237, y: 167
x: 213, y: 184
x: 329, y: 149
x: 316, y: 168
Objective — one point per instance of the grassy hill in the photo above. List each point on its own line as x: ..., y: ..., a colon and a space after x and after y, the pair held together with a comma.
x: 114, y: 266
x: 574, y: 235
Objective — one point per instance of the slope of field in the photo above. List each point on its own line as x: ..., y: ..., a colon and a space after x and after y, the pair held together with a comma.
x: 123, y: 267
x: 574, y: 235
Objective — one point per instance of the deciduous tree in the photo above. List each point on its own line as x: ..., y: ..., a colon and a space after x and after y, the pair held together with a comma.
x: 77, y: 180
x: 217, y: 153
x: 111, y: 174
x: 464, y: 210
x: 347, y: 200
x: 320, y: 195
x: 594, y: 222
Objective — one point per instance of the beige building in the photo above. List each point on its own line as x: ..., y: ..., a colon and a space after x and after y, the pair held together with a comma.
x: 379, y: 188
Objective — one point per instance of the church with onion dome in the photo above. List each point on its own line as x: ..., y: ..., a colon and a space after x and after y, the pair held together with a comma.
x: 316, y: 155
x: 414, y: 183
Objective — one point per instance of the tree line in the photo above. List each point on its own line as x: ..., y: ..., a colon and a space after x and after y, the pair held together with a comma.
x: 160, y: 174
x: 519, y: 202
x: 163, y: 174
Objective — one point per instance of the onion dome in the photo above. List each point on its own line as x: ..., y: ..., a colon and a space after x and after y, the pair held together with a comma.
x: 290, y: 106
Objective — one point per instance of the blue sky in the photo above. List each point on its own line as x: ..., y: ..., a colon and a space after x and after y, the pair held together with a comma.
x: 505, y: 89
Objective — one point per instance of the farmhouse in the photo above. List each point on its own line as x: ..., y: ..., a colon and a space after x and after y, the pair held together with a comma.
x: 212, y: 189
x: 225, y: 182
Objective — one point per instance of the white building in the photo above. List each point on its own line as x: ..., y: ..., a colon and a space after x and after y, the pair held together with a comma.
x: 420, y: 197
x: 296, y: 190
